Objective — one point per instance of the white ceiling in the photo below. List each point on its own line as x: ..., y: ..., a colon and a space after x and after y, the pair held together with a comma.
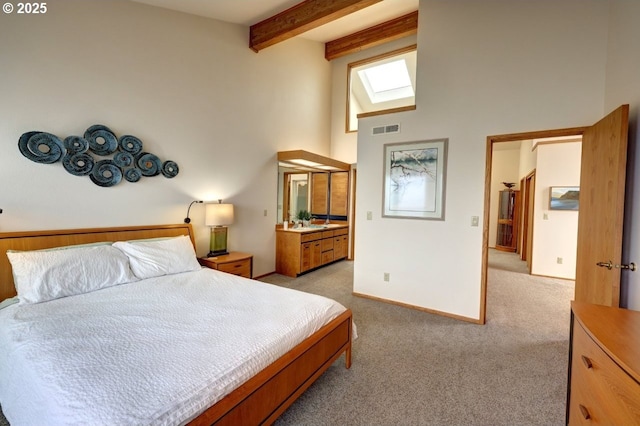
x: 249, y: 12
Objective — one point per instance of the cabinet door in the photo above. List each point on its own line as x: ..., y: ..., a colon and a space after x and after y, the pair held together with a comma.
x: 316, y: 254
x: 319, y: 193
x: 305, y: 256
x: 339, y: 193
x: 338, y: 248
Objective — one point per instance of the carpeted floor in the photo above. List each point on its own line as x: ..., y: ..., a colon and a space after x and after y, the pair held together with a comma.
x: 414, y: 368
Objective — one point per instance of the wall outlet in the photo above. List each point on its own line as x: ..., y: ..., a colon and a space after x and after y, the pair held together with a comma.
x: 386, y: 276
x: 545, y: 216
x: 559, y: 260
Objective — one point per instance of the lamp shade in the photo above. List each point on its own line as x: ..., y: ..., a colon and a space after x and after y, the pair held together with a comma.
x: 219, y: 214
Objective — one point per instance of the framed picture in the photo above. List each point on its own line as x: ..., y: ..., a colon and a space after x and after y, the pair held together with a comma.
x: 564, y: 197
x: 414, y: 179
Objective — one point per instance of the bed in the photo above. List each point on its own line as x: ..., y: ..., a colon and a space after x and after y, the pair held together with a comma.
x: 173, y: 364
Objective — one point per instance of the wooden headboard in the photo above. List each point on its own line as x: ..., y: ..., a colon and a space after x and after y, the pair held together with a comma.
x: 37, y: 240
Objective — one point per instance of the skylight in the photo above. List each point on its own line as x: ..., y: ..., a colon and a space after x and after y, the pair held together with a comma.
x: 381, y: 84
x: 387, y: 82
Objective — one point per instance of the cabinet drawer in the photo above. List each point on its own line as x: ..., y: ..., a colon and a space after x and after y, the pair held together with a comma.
x: 327, y: 234
x: 601, y: 391
x: 327, y: 256
x: 311, y: 236
x: 343, y: 231
x: 327, y: 244
x: 241, y: 267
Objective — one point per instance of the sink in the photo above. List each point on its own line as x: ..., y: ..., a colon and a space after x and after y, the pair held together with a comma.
x: 307, y: 228
x: 312, y: 227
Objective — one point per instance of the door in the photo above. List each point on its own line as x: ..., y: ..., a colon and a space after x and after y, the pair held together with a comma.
x: 527, y: 243
x: 602, y: 184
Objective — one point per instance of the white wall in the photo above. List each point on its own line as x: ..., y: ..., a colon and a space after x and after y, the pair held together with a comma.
x: 189, y: 87
x: 504, y: 169
x: 343, y: 144
x: 623, y: 87
x: 483, y: 69
x: 527, y: 162
x: 555, y: 232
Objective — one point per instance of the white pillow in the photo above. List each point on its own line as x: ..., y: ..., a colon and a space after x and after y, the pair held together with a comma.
x: 150, y: 259
x: 46, y: 275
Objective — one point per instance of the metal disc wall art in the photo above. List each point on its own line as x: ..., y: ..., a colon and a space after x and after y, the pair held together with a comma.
x: 106, y: 173
x: 130, y: 144
x: 102, y: 140
x: 169, y: 169
x: 79, y: 164
x: 124, y: 156
x: 41, y: 147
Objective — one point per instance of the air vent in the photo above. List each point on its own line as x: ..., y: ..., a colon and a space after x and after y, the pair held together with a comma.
x: 389, y: 128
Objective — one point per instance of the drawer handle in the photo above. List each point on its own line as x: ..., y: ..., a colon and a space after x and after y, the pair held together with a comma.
x: 587, y: 362
x: 584, y: 412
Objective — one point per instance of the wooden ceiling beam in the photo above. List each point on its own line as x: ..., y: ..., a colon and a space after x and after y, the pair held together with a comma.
x: 300, y: 18
x: 372, y: 36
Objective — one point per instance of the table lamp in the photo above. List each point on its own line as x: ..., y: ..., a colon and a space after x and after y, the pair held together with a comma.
x: 218, y: 216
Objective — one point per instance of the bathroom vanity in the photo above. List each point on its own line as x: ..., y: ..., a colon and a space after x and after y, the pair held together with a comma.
x: 299, y: 250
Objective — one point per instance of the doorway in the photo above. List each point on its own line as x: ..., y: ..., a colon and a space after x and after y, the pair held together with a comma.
x: 529, y: 197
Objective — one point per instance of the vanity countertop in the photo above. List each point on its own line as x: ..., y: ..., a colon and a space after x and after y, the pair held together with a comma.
x: 313, y: 228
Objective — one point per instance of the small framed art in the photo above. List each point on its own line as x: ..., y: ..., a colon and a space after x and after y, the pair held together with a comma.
x: 564, y: 197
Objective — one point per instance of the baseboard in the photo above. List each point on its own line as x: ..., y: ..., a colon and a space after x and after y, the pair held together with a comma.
x: 264, y: 275
x: 419, y: 308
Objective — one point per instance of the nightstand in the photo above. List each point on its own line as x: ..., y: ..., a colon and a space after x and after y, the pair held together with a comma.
x: 236, y: 263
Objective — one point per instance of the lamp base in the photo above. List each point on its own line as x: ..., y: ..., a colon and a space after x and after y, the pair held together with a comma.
x: 217, y: 253
x: 218, y: 243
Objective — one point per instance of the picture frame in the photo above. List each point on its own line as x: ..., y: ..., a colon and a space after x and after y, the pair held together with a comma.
x: 414, y: 179
x: 564, y: 198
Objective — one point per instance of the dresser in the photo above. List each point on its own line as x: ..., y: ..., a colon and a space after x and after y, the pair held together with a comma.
x: 604, y: 366
x: 236, y: 263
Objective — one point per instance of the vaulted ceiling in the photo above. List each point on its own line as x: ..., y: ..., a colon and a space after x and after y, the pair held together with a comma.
x: 345, y: 26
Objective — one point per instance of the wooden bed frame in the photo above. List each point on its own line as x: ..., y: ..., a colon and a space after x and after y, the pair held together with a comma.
x: 260, y: 400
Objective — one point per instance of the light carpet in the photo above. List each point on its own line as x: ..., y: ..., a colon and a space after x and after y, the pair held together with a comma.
x: 415, y: 368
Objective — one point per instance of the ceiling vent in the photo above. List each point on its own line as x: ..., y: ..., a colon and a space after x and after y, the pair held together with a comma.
x: 389, y: 128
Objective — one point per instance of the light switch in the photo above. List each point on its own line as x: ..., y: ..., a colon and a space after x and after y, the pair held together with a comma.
x: 369, y: 215
x: 475, y: 220
x: 545, y: 216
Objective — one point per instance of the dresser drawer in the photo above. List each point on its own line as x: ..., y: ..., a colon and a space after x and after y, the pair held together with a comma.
x: 240, y: 267
x: 601, y: 391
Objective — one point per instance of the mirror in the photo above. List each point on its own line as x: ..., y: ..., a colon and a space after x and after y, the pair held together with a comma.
x: 294, y: 169
x: 295, y: 193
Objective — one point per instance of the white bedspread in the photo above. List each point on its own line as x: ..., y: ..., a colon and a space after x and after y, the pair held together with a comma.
x: 157, y: 351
